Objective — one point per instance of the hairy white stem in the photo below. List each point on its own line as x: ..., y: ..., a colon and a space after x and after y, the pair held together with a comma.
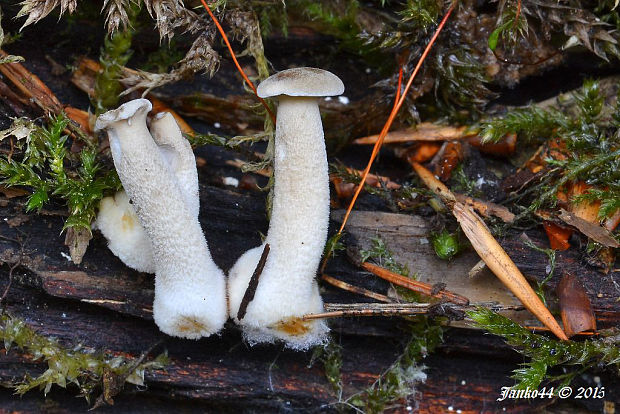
x: 190, y: 297
x: 117, y: 219
x: 287, y: 287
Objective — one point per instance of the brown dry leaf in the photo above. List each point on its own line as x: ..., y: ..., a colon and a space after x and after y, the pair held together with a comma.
x: 558, y: 235
x: 594, y: 231
x: 491, y: 252
x: 424, y: 131
x: 503, y: 148
x: 575, y: 307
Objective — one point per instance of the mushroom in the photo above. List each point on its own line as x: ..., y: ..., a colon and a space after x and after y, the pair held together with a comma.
x: 190, y: 291
x: 287, y: 288
x: 117, y: 219
x: 118, y: 222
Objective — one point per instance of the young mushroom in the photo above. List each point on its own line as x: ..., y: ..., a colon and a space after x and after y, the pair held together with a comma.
x: 190, y: 291
x: 117, y: 219
x: 287, y: 288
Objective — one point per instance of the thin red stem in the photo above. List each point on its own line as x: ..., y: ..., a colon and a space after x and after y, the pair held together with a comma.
x: 392, y: 116
x: 234, y: 58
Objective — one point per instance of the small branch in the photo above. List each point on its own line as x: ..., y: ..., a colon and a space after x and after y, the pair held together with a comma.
x: 414, y: 285
x: 248, y: 296
x: 337, y: 310
x: 355, y: 289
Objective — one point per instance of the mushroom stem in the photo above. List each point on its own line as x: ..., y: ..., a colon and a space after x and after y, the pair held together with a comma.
x: 178, y: 155
x: 117, y: 219
x: 190, y: 297
x: 287, y: 289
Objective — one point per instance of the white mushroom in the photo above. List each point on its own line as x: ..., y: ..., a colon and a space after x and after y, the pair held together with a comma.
x: 287, y: 288
x: 117, y: 219
x: 190, y: 291
x: 118, y: 222
x: 179, y: 157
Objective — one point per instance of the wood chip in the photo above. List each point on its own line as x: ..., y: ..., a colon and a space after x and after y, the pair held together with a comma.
x: 424, y: 131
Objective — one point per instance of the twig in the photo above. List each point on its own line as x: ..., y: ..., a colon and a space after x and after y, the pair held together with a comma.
x: 248, y: 296
x: 414, y: 285
x: 337, y: 310
x: 355, y: 289
x: 234, y: 58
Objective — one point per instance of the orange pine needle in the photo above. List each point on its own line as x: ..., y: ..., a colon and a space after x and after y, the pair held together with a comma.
x: 234, y: 58
x: 388, y: 124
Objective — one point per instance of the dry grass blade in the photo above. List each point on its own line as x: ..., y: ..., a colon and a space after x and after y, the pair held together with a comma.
x: 492, y: 253
x: 414, y: 285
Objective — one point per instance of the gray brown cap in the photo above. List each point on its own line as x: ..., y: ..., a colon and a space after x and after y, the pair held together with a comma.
x: 301, y: 82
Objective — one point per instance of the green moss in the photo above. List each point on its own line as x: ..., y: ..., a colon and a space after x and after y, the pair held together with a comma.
x: 380, y: 253
x: 398, y: 380
x: 48, y: 169
x: 74, y: 366
x: 331, y: 357
x: 446, y: 244
x: 590, y: 130
x: 115, y: 53
x: 545, y: 353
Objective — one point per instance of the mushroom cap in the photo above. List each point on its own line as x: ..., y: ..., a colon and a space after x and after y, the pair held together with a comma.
x: 301, y: 82
x: 125, y: 111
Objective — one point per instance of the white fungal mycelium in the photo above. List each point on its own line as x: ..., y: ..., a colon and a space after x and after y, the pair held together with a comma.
x: 287, y: 287
x: 190, y: 291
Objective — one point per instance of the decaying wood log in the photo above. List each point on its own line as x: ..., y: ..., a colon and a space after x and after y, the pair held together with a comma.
x: 104, y: 305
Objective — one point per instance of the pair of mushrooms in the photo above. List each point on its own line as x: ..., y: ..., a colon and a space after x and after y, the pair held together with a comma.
x: 154, y: 226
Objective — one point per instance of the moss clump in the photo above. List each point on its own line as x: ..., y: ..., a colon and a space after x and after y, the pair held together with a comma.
x: 48, y: 168
x: 546, y: 353
x: 588, y: 131
x: 65, y: 366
